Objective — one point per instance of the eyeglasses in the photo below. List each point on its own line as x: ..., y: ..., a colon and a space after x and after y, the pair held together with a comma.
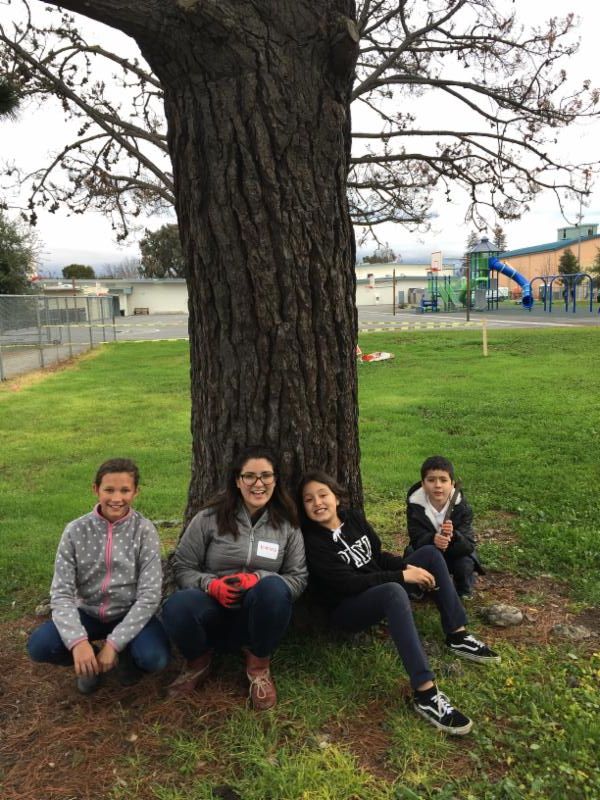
x: 250, y: 478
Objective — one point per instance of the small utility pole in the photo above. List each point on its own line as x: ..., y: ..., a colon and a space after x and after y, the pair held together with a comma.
x: 468, y: 297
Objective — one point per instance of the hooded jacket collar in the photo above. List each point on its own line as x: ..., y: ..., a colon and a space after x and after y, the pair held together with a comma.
x: 418, y: 497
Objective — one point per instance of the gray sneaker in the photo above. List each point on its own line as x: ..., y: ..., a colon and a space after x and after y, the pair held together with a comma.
x: 88, y: 685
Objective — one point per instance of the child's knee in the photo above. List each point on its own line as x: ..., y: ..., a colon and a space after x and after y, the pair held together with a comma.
x: 154, y: 661
x: 40, y: 643
x: 395, y: 594
x: 35, y: 650
x: 434, y: 558
x: 462, y: 568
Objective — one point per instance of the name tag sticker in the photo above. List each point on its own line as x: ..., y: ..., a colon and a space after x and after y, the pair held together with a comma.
x: 267, y: 549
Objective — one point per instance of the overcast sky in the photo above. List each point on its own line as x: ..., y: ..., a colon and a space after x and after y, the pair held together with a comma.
x: 89, y: 239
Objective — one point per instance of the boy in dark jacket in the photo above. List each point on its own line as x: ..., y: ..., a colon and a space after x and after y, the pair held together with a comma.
x: 438, y: 513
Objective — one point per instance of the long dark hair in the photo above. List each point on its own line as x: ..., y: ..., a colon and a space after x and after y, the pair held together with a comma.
x: 226, y: 503
x: 320, y: 477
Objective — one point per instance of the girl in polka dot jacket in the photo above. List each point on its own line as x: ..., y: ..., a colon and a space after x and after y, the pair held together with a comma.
x: 106, y: 586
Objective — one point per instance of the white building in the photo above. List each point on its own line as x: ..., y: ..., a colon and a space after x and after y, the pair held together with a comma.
x: 375, y: 282
x: 374, y: 286
x: 133, y: 295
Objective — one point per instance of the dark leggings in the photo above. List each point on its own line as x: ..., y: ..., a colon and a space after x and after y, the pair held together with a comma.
x: 390, y: 601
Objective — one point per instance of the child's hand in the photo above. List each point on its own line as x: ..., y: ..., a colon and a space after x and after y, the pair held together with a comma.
x: 441, y: 541
x: 419, y: 576
x: 84, y: 660
x: 107, y: 658
x: 447, y: 529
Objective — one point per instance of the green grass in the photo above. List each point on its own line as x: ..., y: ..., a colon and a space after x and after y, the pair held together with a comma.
x: 130, y: 400
x: 522, y: 429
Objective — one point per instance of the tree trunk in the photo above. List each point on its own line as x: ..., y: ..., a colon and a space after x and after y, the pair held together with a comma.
x: 257, y: 103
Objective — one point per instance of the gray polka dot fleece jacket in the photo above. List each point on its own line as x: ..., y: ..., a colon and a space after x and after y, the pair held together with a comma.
x: 109, y: 570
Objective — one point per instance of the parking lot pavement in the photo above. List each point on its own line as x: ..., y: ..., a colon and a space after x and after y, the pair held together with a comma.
x: 175, y: 326
x: 152, y: 326
x: 510, y: 317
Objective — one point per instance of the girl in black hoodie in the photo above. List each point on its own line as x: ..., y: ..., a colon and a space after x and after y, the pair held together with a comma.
x: 363, y: 585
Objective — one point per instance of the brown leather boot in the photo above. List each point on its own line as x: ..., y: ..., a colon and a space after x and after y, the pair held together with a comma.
x: 263, y: 694
x: 193, y: 675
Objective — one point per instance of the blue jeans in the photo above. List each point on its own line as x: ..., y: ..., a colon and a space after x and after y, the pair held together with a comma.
x: 390, y: 601
x: 196, y: 622
x: 149, y: 650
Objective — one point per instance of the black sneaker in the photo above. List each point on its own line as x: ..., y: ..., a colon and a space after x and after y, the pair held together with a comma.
x: 88, y: 685
x: 472, y: 649
x: 439, y: 711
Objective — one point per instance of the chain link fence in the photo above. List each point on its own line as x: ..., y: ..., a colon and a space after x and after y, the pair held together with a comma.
x: 37, y: 332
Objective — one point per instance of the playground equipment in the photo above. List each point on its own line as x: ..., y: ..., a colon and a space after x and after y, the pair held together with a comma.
x: 450, y: 291
x: 445, y: 292
x: 483, y: 259
x: 570, y: 282
x: 500, y: 266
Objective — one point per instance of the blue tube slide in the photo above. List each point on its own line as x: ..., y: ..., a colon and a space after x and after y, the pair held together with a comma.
x: 511, y: 272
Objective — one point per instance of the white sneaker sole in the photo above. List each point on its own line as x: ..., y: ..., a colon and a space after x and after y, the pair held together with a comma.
x: 452, y: 731
x: 473, y: 657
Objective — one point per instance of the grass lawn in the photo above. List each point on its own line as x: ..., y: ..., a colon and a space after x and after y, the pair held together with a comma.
x: 522, y: 429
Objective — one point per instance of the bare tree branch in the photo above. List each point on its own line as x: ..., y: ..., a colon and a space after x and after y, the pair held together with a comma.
x: 506, y: 87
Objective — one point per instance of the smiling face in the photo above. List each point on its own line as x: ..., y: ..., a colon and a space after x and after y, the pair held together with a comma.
x: 438, y: 487
x: 256, y: 493
x: 321, y: 504
x: 115, y: 494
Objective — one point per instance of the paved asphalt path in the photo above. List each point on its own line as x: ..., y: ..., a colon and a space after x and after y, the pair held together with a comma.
x: 509, y: 316
x: 174, y: 326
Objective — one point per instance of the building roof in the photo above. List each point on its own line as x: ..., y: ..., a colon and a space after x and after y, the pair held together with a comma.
x: 550, y: 246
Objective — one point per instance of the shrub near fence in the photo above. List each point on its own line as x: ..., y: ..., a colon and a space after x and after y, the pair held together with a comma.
x: 38, y: 331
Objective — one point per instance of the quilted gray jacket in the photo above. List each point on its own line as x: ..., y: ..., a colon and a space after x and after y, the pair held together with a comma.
x: 204, y: 554
x: 109, y: 570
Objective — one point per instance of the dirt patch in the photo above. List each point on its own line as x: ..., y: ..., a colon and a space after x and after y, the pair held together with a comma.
x: 499, y: 536
x: 544, y: 602
x: 57, y: 745
x: 589, y: 618
x: 365, y: 734
x: 24, y: 381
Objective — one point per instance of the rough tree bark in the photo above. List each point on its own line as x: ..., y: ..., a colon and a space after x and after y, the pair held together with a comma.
x: 257, y: 102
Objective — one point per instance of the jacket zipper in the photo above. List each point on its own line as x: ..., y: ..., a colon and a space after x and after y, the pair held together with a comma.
x: 106, y: 582
x: 251, y: 542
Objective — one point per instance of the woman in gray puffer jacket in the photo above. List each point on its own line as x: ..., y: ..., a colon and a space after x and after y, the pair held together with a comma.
x: 239, y: 566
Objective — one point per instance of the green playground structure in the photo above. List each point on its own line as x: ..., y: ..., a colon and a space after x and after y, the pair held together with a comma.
x: 449, y: 292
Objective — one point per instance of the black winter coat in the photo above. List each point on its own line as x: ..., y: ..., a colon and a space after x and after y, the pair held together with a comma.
x: 421, y: 529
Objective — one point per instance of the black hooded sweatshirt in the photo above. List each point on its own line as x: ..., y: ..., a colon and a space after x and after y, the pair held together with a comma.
x: 348, y: 561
